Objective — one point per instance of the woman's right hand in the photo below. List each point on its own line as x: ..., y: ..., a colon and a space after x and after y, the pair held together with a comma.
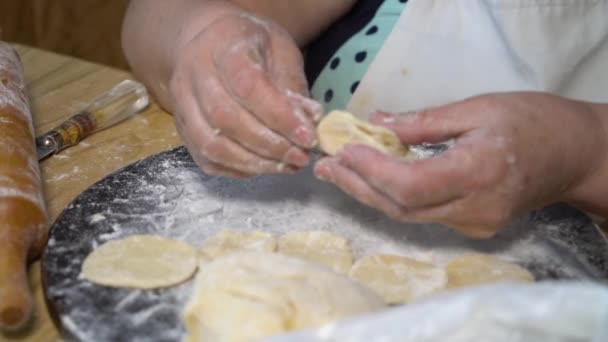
x: 240, y: 100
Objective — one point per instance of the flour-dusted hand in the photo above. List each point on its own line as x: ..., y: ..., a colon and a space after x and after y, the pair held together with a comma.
x: 513, y: 152
x: 232, y: 74
x: 236, y: 94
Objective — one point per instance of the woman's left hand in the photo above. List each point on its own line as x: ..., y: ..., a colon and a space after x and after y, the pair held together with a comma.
x: 513, y: 152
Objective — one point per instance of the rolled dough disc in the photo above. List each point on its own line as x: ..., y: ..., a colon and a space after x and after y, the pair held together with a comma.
x: 398, y: 279
x: 140, y: 261
x: 318, y: 246
x: 477, y: 269
x: 248, y: 296
x: 228, y: 241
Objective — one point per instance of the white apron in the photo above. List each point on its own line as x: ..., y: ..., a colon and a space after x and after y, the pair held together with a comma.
x: 442, y: 51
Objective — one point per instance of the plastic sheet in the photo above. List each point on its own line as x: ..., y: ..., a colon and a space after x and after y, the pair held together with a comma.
x: 551, y: 311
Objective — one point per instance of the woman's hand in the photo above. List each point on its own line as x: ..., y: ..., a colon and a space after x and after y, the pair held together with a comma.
x: 239, y: 97
x: 513, y: 152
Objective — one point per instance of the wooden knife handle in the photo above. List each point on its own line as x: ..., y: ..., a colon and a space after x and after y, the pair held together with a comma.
x: 23, y: 217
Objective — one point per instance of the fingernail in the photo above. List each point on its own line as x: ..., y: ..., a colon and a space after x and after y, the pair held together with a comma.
x: 304, y: 137
x: 296, y: 156
x: 323, y: 172
x: 291, y: 169
x: 339, y: 156
x: 343, y: 153
x: 312, y: 107
x: 382, y: 117
x: 315, y: 110
x: 283, y: 168
x: 410, y: 115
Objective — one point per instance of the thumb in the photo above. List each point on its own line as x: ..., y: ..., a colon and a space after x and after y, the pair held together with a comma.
x: 433, y: 125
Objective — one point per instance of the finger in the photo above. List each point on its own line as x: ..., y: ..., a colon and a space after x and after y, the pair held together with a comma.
x: 285, y: 53
x: 203, y: 163
x: 204, y: 143
x: 429, y: 125
x: 234, y: 122
x: 328, y: 169
x: 412, y: 184
x: 293, y: 80
x: 312, y: 109
x: 468, y: 219
x: 247, y: 80
x: 449, y: 213
x: 213, y: 169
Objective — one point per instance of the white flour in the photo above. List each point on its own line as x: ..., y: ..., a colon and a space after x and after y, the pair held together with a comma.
x: 173, y: 199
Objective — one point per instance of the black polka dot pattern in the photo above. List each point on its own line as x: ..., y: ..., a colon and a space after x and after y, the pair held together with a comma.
x: 360, y: 56
x: 354, y: 87
x: 329, y: 95
x: 341, y: 75
x: 334, y: 63
x: 371, y: 30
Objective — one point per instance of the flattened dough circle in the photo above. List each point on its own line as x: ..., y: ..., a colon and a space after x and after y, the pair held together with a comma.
x: 141, y: 261
x: 248, y: 296
x: 318, y: 246
x: 476, y: 269
x: 398, y: 279
x: 228, y: 241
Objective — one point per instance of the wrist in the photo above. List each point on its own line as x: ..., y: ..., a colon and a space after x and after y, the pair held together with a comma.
x: 152, y: 52
x: 198, y: 20
x: 591, y: 192
x: 192, y: 24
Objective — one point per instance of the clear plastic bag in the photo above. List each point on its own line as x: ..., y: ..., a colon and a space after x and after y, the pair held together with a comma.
x: 549, y: 311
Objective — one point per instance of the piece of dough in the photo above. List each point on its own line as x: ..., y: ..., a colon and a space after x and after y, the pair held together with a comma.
x: 398, y: 279
x: 318, y: 246
x: 248, y: 296
x: 228, y: 241
x: 141, y: 261
x: 476, y: 269
x: 338, y: 129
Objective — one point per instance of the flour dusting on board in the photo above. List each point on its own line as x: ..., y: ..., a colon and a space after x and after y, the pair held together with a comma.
x: 167, y: 195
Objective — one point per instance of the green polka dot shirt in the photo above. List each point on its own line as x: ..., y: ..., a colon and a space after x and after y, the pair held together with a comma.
x: 344, y: 67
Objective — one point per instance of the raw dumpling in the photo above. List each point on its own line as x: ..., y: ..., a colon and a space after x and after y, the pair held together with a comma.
x: 318, y: 246
x: 141, y: 261
x: 338, y: 129
x: 248, y: 296
x: 476, y: 269
x: 398, y: 279
x: 228, y: 241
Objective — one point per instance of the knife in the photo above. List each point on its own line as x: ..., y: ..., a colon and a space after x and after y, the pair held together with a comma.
x: 116, y: 105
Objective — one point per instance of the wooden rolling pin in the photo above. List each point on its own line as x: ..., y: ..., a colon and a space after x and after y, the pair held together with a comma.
x: 23, y: 218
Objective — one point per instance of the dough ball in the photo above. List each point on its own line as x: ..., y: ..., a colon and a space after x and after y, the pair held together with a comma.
x: 338, y: 129
x: 248, y: 296
x: 228, y: 241
x: 398, y: 279
x: 318, y: 246
x: 140, y: 261
x: 475, y: 269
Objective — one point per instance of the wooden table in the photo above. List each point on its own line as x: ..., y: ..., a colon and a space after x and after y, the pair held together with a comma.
x: 59, y: 85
